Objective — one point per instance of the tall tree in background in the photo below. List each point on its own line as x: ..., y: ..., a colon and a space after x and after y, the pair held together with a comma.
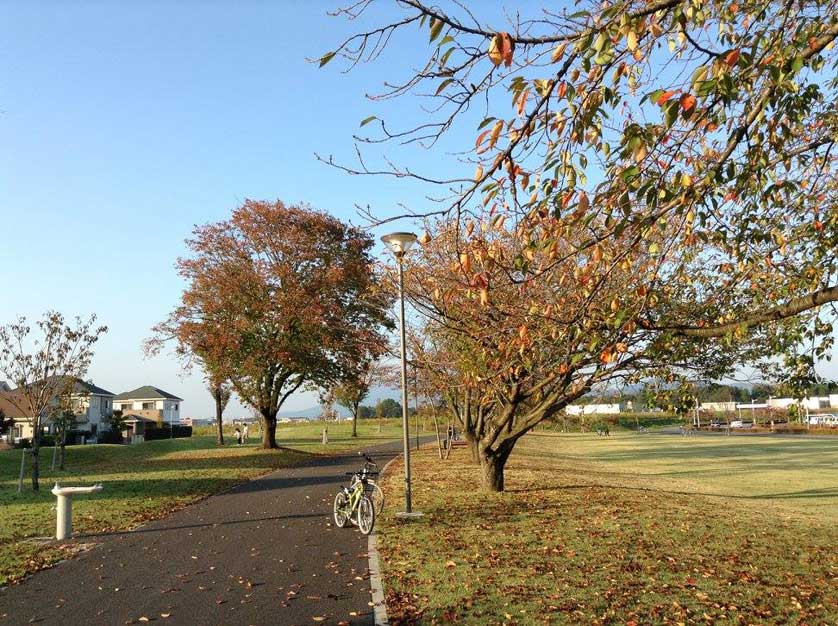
x: 350, y: 393
x: 221, y: 392
x: 45, y: 368
x: 277, y: 297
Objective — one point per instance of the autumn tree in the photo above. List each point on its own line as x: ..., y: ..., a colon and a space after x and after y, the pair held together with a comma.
x: 650, y: 191
x: 277, y: 297
x: 351, y: 392
x: 221, y: 392
x: 45, y: 368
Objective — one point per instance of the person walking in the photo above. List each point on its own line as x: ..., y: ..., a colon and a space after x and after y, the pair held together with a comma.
x: 238, y: 434
x: 244, y: 433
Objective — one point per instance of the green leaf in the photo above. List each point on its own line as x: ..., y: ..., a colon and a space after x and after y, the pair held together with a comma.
x: 367, y: 120
x: 797, y: 64
x: 670, y: 112
x: 326, y: 58
x: 443, y: 85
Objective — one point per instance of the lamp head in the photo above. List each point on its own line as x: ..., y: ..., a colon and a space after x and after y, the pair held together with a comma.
x: 399, y: 243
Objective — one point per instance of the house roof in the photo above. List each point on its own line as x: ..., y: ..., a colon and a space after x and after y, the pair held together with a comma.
x: 83, y: 387
x: 9, y: 408
x: 133, y: 418
x: 147, y: 392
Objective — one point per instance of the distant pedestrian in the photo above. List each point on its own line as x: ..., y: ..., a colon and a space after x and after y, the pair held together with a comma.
x: 244, y: 433
x: 238, y: 434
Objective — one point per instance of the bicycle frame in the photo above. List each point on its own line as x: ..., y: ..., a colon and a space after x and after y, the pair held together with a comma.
x: 355, y: 492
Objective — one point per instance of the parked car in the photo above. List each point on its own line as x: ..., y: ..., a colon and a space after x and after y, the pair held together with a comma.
x: 737, y: 424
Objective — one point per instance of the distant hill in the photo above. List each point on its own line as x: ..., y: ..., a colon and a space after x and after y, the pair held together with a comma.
x: 375, y: 396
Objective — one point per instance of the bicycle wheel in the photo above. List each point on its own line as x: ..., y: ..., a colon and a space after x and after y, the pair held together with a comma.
x: 376, y: 495
x: 341, y: 510
x: 366, y: 515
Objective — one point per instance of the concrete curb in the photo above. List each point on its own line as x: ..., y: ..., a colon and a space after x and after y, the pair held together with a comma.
x: 376, y: 587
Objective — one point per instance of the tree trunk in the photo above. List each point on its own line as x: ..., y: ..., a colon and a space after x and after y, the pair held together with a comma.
x: 492, y: 466
x: 219, y: 411
x: 473, y: 447
x: 269, y: 430
x: 62, y: 448
x: 36, y: 448
x: 355, y: 421
x: 436, y: 430
x: 493, y: 462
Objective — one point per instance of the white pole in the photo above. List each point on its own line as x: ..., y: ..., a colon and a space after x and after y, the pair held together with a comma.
x: 64, y: 517
x: 405, y: 423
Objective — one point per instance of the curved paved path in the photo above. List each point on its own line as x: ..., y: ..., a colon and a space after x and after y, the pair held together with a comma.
x: 266, y: 552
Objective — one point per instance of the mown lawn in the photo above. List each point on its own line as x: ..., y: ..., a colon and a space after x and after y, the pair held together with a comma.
x: 143, y: 482
x: 635, y: 529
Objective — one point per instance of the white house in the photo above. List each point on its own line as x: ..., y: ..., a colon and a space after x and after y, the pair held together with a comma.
x: 91, y: 404
x: 148, y: 401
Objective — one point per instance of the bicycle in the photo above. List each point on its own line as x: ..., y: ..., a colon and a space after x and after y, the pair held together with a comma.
x: 373, y: 491
x: 352, y: 502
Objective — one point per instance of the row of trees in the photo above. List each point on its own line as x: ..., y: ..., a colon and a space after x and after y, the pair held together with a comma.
x: 649, y: 193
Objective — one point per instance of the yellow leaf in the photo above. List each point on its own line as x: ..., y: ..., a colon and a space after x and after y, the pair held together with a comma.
x: 558, y: 53
x: 631, y: 41
x: 493, y: 138
x: 478, y: 173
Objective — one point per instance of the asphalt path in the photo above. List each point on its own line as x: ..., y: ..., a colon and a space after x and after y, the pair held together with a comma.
x: 266, y: 552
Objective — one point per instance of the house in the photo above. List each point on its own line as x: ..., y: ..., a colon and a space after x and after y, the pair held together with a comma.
x: 91, y: 404
x: 149, y: 402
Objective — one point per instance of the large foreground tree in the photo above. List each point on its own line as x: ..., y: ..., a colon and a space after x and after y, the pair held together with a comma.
x: 45, y: 368
x: 277, y: 297
x: 653, y: 191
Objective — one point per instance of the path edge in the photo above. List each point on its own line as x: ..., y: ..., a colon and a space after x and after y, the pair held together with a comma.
x: 376, y: 587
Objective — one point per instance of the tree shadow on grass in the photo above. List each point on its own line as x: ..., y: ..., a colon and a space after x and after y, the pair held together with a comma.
x: 826, y: 492
x: 161, y: 527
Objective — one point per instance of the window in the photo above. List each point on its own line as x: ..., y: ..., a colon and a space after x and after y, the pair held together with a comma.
x: 126, y: 407
x: 174, y: 407
x: 148, y: 406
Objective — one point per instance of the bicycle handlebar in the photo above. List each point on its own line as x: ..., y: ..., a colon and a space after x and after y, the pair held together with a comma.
x: 361, y: 472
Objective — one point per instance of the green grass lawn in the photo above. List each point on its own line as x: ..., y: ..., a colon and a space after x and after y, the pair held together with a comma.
x: 633, y: 529
x: 146, y: 481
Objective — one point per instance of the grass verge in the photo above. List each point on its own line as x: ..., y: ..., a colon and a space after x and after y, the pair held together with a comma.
x: 144, y: 482
x: 628, y: 530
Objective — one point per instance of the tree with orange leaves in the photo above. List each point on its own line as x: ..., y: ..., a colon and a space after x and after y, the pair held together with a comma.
x: 278, y: 297
x: 651, y: 187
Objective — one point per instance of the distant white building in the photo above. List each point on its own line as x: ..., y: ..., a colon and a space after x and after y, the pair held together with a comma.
x: 718, y: 407
x: 149, y: 402
x: 813, y: 403
x: 593, y: 409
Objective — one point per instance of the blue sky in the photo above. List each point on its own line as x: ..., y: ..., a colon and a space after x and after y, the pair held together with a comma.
x: 124, y: 124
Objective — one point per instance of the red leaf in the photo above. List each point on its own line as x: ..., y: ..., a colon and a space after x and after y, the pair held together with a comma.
x: 666, y: 95
x: 687, y: 101
x: 732, y: 57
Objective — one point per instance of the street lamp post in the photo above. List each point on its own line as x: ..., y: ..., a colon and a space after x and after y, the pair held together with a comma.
x: 399, y: 244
